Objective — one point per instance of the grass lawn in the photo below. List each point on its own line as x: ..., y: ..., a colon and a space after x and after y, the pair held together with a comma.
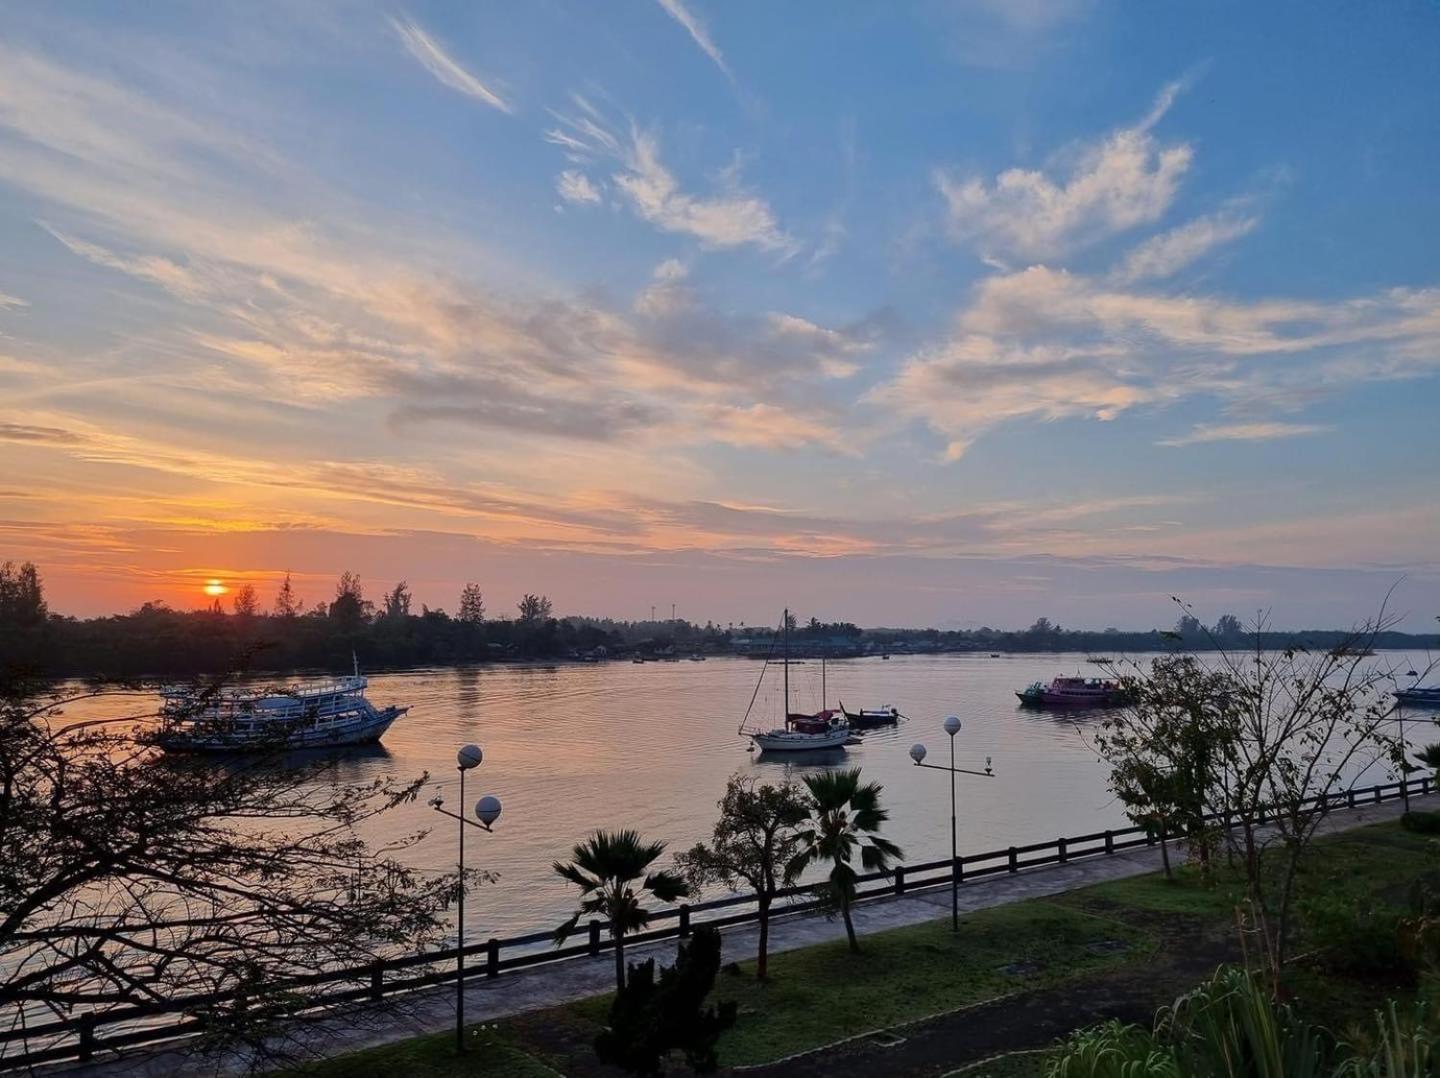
x: 822, y: 994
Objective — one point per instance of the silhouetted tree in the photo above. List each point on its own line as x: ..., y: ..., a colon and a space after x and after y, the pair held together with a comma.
x: 349, y: 606
x: 754, y: 843
x: 22, y: 596
x: 246, y: 603
x: 534, y: 608
x: 1228, y: 628
x: 129, y: 877
x: 612, y: 870
x: 650, y: 1019
x: 1188, y: 627
x: 397, y: 601
x: 472, y: 605
x: 845, y: 819
x: 287, y: 603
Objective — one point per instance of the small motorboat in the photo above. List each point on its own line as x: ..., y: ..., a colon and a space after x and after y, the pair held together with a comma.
x: 1074, y: 692
x: 1419, y: 696
x: 869, y: 717
x: 312, y: 715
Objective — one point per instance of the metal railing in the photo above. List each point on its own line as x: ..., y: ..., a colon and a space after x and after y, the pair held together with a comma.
x: 79, y: 1038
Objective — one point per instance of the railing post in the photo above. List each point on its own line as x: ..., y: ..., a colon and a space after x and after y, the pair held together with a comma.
x: 684, y: 920
x: 1149, y: 837
x: 1061, y: 850
x: 899, y: 879
x: 492, y: 957
x: 86, y: 1051
x: 1350, y: 797
x: 958, y: 868
x: 594, y: 938
x: 1424, y: 784
x: 377, y: 980
x: 1014, y: 864
x: 1375, y: 793
x: 1109, y: 841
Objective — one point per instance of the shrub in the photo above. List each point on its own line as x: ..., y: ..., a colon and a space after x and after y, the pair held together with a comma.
x: 1358, y: 936
x: 651, y: 1018
x: 1424, y: 823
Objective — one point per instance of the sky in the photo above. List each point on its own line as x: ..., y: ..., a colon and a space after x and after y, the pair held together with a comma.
x: 943, y: 313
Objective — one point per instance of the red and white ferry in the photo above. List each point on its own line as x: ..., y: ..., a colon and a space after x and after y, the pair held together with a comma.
x: 1074, y: 692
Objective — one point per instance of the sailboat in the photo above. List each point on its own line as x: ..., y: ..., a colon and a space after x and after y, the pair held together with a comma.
x: 826, y: 729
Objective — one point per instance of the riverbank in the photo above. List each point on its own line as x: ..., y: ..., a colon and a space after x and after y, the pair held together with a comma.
x: 1107, y: 918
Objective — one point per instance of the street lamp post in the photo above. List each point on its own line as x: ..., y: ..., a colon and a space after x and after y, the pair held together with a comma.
x: 487, y: 811
x: 918, y: 753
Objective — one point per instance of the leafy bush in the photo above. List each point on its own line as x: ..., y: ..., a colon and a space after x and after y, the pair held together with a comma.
x: 1357, y: 936
x: 1424, y: 823
x: 650, y: 1019
x: 1114, y: 1050
x: 1231, y: 1027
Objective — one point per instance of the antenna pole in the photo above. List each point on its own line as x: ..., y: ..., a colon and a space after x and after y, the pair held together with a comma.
x: 786, y: 625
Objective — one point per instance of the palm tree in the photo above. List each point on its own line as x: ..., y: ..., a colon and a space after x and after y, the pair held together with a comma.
x: 1430, y: 757
x: 606, y: 868
x: 845, y: 817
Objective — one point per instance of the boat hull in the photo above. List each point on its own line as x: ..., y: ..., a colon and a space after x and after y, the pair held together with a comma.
x: 794, y: 741
x: 1426, y: 697
x: 363, y: 729
x: 868, y: 720
x: 1049, y: 699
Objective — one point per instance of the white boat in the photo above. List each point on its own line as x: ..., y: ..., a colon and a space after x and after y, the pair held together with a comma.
x: 315, y: 714
x: 826, y: 729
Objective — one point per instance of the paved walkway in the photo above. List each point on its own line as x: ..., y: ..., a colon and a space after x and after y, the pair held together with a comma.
x: 487, y: 999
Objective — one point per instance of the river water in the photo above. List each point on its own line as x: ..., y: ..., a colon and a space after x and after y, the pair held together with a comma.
x: 570, y: 748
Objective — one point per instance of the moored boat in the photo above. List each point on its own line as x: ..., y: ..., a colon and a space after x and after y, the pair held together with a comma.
x: 869, y: 717
x: 316, y: 714
x: 1074, y: 692
x: 825, y: 729
x: 1421, y: 695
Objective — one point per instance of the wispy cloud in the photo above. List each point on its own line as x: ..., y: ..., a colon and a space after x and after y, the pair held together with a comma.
x: 698, y: 33
x: 1242, y: 432
x: 443, y: 66
x: 1047, y: 344
x: 731, y: 217
x: 1126, y: 180
x: 10, y: 302
x: 1168, y: 253
x: 575, y: 186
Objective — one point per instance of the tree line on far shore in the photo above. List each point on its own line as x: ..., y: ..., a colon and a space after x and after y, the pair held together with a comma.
x: 249, y: 631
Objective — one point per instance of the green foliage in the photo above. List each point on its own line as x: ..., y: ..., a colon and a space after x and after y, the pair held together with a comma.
x: 611, y: 868
x: 1356, y: 935
x: 1113, y: 1050
x: 1231, y: 1027
x: 1228, y: 1026
x: 845, y: 820
x: 1401, y: 1046
x: 1424, y: 823
x: 753, y: 846
x: 650, y: 1019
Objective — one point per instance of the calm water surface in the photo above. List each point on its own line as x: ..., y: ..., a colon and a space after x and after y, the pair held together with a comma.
x: 574, y: 747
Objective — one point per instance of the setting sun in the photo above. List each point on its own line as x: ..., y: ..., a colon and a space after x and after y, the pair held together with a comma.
x: 215, y: 587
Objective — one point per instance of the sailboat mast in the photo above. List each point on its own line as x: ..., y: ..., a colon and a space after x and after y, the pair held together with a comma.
x: 824, y: 696
x: 786, y: 624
